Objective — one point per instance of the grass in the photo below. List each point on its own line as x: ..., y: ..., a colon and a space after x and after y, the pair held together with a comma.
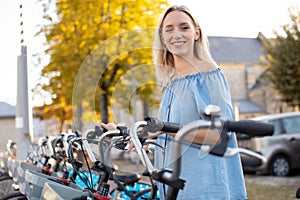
x: 260, y: 192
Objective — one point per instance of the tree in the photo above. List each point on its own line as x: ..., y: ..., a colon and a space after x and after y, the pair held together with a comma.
x: 283, y: 61
x: 101, y: 36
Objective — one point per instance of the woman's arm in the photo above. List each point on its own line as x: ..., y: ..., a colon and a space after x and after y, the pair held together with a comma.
x: 202, y: 136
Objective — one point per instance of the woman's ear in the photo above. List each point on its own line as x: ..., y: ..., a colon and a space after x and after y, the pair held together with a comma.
x: 197, y: 33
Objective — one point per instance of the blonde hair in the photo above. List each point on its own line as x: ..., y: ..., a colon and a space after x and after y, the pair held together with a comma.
x: 163, y: 59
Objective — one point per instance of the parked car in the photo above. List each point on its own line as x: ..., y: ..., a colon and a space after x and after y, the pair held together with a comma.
x: 282, y: 149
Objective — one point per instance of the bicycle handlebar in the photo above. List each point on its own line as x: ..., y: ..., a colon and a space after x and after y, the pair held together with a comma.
x: 139, y: 147
x: 87, y: 146
x: 250, y: 127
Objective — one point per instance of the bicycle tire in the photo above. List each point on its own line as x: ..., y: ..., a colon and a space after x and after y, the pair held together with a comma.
x: 6, y: 186
x: 14, y: 196
x: 4, y: 176
x: 3, y: 173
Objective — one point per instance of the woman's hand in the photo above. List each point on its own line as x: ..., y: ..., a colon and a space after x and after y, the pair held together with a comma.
x: 108, y: 126
x: 112, y: 126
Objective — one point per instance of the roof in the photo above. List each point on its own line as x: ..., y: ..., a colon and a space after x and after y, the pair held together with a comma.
x: 247, y: 106
x: 276, y: 116
x: 7, y: 110
x: 235, y: 49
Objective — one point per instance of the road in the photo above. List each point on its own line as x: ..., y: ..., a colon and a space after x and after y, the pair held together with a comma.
x: 129, y: 163
x: 273, y: 180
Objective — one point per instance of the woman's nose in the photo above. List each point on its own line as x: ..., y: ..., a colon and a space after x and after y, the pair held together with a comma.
x: 177, y: 34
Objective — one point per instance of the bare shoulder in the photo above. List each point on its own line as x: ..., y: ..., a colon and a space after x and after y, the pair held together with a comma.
x: 208, y: 66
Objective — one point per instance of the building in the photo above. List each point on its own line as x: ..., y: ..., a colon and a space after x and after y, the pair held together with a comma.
x: 8, y: 127
x: 7, y: 124
x: 239, y: 59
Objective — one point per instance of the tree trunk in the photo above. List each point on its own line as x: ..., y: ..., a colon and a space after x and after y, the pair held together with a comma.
x: 61, y: 125
x: 62, y: 121
x: 145, y: 109
x: 103, y: 99
x: 103, y: 104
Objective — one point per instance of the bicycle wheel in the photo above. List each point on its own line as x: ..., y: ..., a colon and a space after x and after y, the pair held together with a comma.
x: 6, y: 187
x: 4, y: 176
x: 3, y: 173
x: 14, y: 196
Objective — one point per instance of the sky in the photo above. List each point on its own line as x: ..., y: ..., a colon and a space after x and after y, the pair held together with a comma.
x: 234, y: 18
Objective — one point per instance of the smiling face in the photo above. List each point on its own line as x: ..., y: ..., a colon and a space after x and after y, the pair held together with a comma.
x: 179, y: 34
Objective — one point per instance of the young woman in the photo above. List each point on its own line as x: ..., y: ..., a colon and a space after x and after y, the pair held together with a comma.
x: 191, y: 80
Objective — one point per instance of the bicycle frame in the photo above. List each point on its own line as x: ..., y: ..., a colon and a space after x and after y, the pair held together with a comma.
x: 173, y: 178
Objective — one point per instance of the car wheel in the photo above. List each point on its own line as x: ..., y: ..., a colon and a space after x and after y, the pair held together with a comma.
x: 279, y: 166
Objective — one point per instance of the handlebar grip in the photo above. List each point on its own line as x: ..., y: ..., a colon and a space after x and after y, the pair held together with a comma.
x: 99, y: 130
x: 250, y: 127
x: 171, y: 127
x: 154, y: 125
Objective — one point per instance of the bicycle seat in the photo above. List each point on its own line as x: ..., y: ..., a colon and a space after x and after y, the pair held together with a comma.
x: 128, y: 179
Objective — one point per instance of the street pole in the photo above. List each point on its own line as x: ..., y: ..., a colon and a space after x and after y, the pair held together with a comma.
x: 23, y: 118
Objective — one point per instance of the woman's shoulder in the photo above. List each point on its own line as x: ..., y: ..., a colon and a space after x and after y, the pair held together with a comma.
x: 208, y: 66
x: 205, y: 69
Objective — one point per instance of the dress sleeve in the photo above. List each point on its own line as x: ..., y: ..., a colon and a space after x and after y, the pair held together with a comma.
x: 212, y: 88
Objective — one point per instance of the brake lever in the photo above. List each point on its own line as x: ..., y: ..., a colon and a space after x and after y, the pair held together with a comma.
x: 233, y: 151
x: 252, y: 153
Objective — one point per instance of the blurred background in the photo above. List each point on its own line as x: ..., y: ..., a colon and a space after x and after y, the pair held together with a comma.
x: 90, y: 61
x: 69, y: 65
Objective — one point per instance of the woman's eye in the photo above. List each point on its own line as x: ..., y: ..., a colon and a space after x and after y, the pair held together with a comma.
x: 168, y: 30
x: 185, y: 28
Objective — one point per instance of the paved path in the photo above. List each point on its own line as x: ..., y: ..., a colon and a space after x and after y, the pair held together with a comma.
x: 273, y: 180
x: 131, y: 165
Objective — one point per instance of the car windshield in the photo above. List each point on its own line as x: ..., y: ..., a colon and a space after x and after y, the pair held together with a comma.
x: 291, y: 124
x: 286, y: 125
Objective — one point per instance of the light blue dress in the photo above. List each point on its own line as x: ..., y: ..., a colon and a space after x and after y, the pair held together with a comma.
x: 207, y: 176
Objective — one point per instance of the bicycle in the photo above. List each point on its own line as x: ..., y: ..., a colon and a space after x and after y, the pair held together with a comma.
x: 124, y: 183
x: 214, y: 144
x: 217, y: 145
x: 18, y: 170
x: 61, y: 150
x: 58, y: 149
x: 215, y: 140
x: 9, y: 169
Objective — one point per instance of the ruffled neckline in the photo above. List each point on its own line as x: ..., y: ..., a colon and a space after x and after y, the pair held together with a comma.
x: 191, y: 76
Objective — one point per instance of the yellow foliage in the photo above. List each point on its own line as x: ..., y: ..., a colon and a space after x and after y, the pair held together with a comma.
x: 82, y: 43
x: 82, y: 26
x: 63, y: 27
